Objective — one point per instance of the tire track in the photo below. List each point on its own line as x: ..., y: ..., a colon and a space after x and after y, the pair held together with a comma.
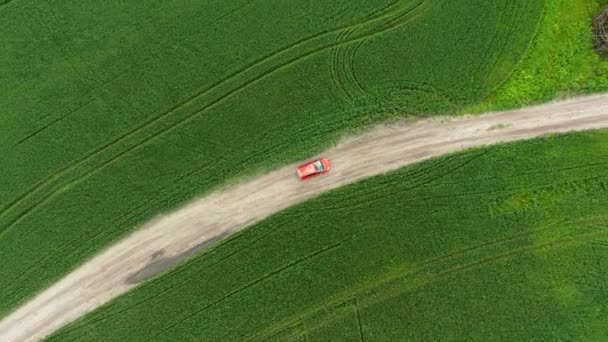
x: 419, y: 268
x: 578, y: 238
x: 336, y: 76
x: 523, y: 53
x: 351, y: 68
x: 184, y: 281
x: 55, y: 178
x: 145, y: 60
x: 251, y: 284
x: 342, y: 74
x: 388, y: 288
x: 342, y: 57
x: 599, y: 243
x: 359, y: 325
x: 61, y: 117
x: 73, y: 244
x: 371, y: 197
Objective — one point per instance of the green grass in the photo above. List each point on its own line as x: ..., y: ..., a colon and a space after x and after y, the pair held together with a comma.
x: 504, y: 243
x: 560, y: 61
x: 111, y: 112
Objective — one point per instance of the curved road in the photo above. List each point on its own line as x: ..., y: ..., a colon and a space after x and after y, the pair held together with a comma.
x: 175, y: 236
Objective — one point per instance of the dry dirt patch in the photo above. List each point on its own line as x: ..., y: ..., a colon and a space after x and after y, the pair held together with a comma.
x: 600, y: 32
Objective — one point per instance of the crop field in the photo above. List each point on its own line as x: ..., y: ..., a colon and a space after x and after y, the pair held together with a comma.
x: 114, y: 111
x: 508, y: 242
x: 552, y: 69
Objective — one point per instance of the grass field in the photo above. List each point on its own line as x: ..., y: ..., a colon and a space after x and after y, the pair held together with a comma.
x: 112, y: 112
x: 503, y: 243
x: 560, y: 62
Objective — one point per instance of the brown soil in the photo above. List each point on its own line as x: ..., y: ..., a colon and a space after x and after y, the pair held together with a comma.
x: 600, y: 32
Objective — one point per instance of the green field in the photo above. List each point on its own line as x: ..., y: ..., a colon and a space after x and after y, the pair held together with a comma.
x: 111, y: 112
x: 503, y: 243
x: 560, y: 61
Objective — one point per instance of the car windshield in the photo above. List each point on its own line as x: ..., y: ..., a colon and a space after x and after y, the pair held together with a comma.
x: 319, y: 166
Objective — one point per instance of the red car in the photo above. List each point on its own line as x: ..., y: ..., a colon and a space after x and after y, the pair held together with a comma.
x: 315, y: 168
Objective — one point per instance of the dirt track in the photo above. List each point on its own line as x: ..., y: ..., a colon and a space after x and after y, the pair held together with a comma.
x: 175, y: 236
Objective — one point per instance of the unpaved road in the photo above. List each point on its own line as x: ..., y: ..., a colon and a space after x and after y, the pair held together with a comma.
x: 172, y: 237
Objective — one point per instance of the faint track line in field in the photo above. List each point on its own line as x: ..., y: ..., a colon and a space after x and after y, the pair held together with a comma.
x: 351, y: 69
x: 361, y: 201
x: 569, y: 168
x: 356, y: 305
x: 335, y: 52
x: 546, y: 171
x: 512, y: 27
x: 521, y: 57
x: 347, y: 68
x: 509, y: 190
x: 461, y: 252
x: 599, y: 243
x: 75, y: 242
x: 336, y: 77
x: 576, y: 238
x: 251, y: 284
x: 124, y: 217
x: 112, y: 78
x: 491, y: 243
x: 386, y: 194
x: 519, y: 251
x: 233, y: 11
x: 96, y: 236
x: 486, y: 53
x: 425, y: 264
x: 94, y: 88
x: 187, y: 118
x: 372, y: 290
x: 340, y: 309
x: 87, y: 94
x: 342, y: 58
x: 414, y: 175
x: 151, y: 56
x: 35, y: 133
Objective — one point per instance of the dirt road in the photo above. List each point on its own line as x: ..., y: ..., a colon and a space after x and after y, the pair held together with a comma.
x: 177, y: 235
